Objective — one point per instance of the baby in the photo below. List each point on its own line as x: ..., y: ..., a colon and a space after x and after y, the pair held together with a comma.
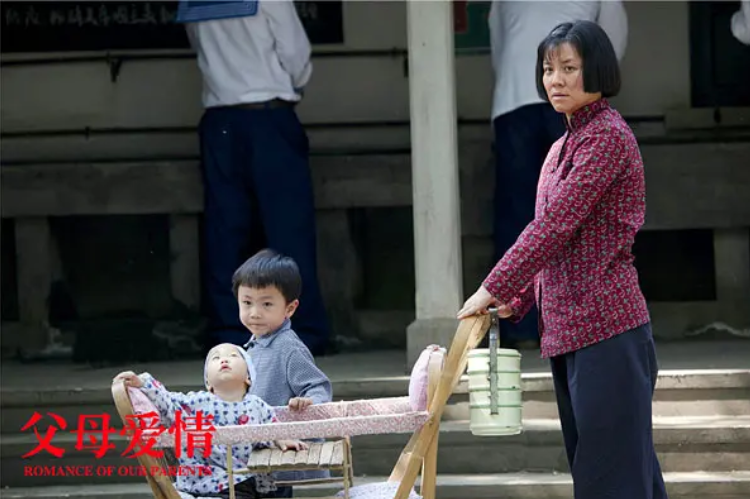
x: 228, y: 375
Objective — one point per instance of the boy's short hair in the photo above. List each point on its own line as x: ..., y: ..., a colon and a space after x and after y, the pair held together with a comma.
x: 269, y: 268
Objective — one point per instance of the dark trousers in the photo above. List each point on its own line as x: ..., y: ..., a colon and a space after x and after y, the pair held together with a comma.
x: 258, y: 193
x: 522, y: 139
x: 604, y: 394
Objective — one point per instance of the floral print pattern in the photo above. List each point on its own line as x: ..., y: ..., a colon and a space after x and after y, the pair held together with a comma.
x: 575, y: 258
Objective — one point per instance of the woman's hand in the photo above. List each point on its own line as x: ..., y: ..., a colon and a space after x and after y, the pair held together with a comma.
x: 130, y: 378
x: 480, y: 302
x: 503, y: 311
x: 477, y: 303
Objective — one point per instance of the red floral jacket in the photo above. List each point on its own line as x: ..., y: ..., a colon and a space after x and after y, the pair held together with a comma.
x: 575, y: 257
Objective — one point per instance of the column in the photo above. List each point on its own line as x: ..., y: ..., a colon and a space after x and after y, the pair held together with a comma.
x: 435, y: 188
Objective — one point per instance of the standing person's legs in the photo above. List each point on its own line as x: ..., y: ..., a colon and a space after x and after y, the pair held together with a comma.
x: 283, y: 184
x: 522, y: 139
x: 228, y: 221
x: 660, y: 490
x: 565, y: 405
x: 610, y: 385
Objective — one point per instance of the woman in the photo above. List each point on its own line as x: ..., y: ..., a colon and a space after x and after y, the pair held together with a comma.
x: 575, y: 259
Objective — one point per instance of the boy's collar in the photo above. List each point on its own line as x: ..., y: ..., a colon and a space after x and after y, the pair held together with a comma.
x: 267, y: 339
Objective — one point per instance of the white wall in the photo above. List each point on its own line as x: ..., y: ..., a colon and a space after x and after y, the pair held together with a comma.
x: 162, y: 93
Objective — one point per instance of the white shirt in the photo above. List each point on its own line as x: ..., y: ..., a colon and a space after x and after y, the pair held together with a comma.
x: 517, y: 28
x: 253, y: 59
x: 741, y: 23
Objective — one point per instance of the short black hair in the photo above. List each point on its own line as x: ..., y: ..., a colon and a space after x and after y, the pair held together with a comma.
x: 601, y: 70
x: 269, y: 268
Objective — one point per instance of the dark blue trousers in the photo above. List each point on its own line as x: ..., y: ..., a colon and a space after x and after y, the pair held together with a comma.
x: 522, y: 139
x: 604, y: 394
x: 258, y: 193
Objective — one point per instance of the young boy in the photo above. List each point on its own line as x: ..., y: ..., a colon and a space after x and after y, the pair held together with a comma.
x: 267, y: 287
x: 228, y: 375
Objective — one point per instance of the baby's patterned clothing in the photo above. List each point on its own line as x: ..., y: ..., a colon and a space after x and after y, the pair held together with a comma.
x: 251, y: 410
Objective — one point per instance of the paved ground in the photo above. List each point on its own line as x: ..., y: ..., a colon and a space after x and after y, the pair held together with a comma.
x: 370, y: 366
x: 731, y: 485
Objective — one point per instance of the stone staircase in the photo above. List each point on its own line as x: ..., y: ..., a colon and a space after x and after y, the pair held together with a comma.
x: 701, y: 431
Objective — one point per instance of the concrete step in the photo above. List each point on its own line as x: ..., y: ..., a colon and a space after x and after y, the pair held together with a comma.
x: 683, y: 445
x: 711, y: 444
x: 714, y: 392
x: 695, y: 485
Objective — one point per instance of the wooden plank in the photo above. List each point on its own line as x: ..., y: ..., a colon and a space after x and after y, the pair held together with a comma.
x: 301, y: 456
x: 313, y: 456
x: 361, y: 181
x: 349, y: 471
x: 312, y: 481
x: 276, y: 458
x: 259, y: 458
x: 701, y: 185
x: 701, y: 119
x: 149, y: 144
x: 184, y: 267
x: 101, y: 188
x: 329, y: 454
x: 337, y: 458
x: 326, y: 453
x: 288, y: 458
x: 429, y: 463
x: 469, y: 334
x: 149, y: 187
x: 697, y: 185
x: 712, y: 177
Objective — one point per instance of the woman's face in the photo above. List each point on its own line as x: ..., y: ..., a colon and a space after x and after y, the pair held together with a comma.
x: 563, y: 80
